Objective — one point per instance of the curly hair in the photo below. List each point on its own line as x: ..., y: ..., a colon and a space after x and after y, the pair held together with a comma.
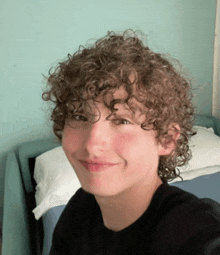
x: 105, y: 67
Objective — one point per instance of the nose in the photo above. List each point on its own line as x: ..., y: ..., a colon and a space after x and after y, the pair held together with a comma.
x: 97, y: 137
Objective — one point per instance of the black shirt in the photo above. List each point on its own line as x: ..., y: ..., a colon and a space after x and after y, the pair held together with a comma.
x: 176, y: 222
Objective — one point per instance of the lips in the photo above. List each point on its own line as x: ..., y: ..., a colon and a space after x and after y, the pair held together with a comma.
x: 96, y: 166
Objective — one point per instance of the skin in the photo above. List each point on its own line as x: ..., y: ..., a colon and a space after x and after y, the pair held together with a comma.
x: 123, y: 187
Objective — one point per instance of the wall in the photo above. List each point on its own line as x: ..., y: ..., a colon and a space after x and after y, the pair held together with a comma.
x: 216, y: 66
x: 36, y: 34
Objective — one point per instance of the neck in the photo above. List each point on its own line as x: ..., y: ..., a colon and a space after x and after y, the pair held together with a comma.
x: 121, y: 210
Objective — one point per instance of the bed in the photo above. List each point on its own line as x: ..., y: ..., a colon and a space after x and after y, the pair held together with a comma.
x: 26, y: 235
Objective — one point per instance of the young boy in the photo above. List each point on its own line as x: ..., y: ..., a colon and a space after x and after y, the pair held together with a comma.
x: 124, y: 116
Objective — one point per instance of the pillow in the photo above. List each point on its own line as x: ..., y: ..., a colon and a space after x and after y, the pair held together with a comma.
x: 205, y: 147
x: 57, y: 181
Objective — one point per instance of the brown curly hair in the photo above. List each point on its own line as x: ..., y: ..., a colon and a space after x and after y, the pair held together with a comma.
x: 108, y: 65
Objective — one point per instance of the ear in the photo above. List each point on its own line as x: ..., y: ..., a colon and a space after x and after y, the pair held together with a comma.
x: 168, y: 145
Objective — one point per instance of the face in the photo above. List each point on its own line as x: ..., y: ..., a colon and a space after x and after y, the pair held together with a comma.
x: 113, y: 154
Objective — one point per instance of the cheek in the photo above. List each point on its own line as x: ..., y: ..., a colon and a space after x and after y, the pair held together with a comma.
x: 125, y: 143
x: 125, y: 138
x: 71, y: 141
x: 136, y: 147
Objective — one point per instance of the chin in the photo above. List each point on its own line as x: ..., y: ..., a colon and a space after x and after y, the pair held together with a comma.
x: 101, y: 191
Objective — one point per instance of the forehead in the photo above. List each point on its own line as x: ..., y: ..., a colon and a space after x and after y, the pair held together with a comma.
x: 135, y: 108
x: 120, y: 93
x: 133, y: 103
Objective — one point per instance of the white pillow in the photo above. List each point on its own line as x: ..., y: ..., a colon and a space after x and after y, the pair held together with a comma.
x: 205, y: 147
x: 57, y: 182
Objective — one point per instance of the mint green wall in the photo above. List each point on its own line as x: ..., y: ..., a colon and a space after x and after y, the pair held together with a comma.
x: 35, y: 34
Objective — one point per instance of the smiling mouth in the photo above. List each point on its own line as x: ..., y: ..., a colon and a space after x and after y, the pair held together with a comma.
x: 96, y: 166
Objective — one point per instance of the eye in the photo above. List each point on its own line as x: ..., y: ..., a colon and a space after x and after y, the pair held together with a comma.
x: 121, y: 121
x: 78, y: 117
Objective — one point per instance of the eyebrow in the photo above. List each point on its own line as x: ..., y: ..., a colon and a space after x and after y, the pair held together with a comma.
x: 125, y: 114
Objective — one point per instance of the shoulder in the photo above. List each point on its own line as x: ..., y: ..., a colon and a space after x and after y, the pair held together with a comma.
x: 78, y: 204
x: 76, y: 212
x: 185, y: 210
x: 174, y: 199
x: 185, y: 221
x: 72, y: 222
x: 81, y: 199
